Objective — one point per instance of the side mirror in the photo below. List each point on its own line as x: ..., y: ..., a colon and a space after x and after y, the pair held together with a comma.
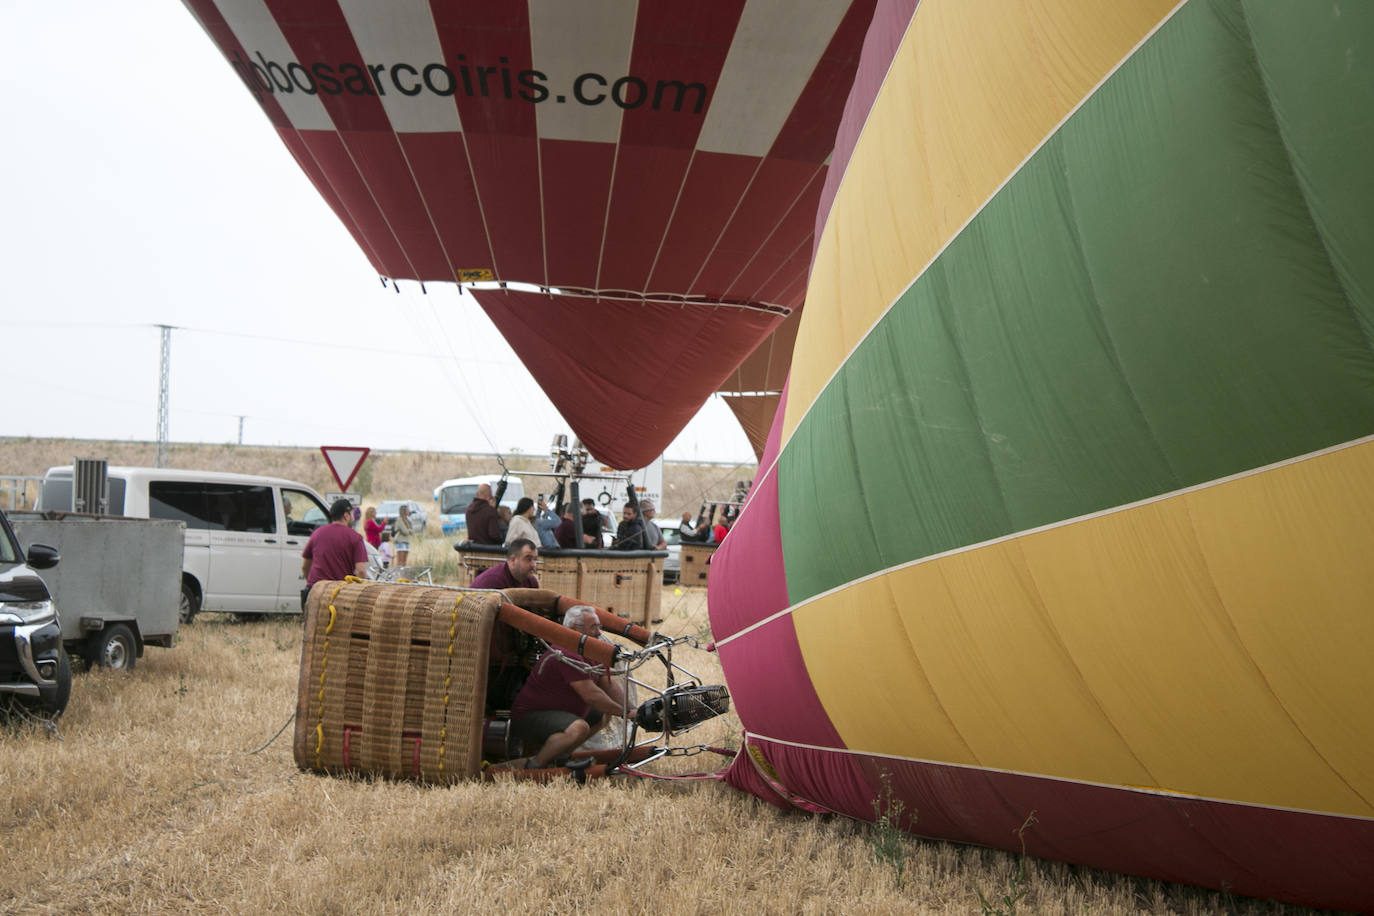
x: 41, y: 556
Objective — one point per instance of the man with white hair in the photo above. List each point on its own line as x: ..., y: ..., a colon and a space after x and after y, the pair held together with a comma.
x: 566, y: 698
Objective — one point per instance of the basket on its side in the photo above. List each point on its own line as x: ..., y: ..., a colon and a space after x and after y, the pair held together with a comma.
x: 393, y: 680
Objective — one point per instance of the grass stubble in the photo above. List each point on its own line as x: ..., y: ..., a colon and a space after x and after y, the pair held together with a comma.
x: 153, y: 801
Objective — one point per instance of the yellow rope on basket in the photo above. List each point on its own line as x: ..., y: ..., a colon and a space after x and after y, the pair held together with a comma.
x: 324, y: 663
x: 452, y: 631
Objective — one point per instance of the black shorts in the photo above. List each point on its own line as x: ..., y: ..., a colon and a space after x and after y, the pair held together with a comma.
x: 535, y: 728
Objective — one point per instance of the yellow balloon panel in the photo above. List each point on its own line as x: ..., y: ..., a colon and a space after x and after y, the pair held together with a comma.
x: 878, y: 692
x: 1151, y: 646
x: 974, y: 87
x: 1295, y: 571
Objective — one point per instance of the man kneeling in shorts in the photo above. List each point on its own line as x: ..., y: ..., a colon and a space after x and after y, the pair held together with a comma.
x: 567, y: 698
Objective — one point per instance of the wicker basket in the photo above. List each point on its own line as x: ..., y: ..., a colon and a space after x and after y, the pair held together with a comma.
x: 393, y: 681
x: 696, y: 563
x: 628, y: 583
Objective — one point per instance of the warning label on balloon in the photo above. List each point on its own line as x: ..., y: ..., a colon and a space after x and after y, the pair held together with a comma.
x: 475, y: 275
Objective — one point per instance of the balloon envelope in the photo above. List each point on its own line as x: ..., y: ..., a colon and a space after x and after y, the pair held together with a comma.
x: 653, y: 169
x: 1067, y: 511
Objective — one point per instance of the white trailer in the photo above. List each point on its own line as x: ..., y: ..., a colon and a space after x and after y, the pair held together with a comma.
x: 118, y: 585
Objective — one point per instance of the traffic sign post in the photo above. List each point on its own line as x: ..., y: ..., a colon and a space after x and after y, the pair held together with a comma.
x: 344, y: 459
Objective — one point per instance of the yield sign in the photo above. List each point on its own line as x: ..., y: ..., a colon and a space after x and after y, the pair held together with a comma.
x: 343, y: 462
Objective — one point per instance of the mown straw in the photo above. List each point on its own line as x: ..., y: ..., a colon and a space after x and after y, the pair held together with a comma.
x: 160, y: 797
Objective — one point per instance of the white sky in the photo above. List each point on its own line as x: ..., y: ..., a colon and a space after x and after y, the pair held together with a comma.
x: 143, y: 186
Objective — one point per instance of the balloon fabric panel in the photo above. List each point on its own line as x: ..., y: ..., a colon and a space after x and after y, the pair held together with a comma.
x: 630, y: 151
x: 1073, y: 488
x: 1115, y: 361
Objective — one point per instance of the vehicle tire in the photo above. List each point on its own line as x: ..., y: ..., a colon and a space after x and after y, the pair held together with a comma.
x: 190, y: 602
x: 115, y: 648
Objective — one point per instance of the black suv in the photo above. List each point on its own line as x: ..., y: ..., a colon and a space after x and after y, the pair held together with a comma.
x: 35, y: 673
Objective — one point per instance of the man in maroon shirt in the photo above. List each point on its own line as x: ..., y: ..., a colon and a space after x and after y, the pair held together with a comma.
x: 484, y: 527
x: 516, y: 572
x: 566, y: 532
x: 566, y: 698
x: 334, y: 550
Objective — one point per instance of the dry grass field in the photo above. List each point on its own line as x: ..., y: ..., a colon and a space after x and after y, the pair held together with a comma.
x: 162, y: 791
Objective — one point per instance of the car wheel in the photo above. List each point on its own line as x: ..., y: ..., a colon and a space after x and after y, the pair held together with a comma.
x: 115, y: 648
x: 190, y: 602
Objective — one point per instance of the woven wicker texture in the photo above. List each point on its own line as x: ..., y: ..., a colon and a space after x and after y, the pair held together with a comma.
x: 696, y: 563
x: 393, y: 681
x: 630, y: 586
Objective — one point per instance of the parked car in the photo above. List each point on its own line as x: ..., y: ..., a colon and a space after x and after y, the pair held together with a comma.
x: 672, y: 566
x: 34, y: 668
x: 244, y: 533
x: 387, y: 512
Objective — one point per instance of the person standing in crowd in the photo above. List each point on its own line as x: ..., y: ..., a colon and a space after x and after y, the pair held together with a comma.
x: 685, y: 529
x: 483, y: 524
x: 386, y: 552
x: 518, y: 570
x: 503, y: 515
x: 722, y: 528
x: 591, y: 524
x: 405, y: 530
x: 630, y: 534
x: 334, y: 550
x: 545, y: 522
x: 522, y: 522
x: 566, y: 532
x: 372, y: 529
x: 653, y: 537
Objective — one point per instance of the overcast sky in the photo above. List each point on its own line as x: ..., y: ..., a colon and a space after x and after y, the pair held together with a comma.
x: 144, y: 186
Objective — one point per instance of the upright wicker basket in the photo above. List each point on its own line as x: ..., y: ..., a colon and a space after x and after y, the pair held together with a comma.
x: 628, y: 583
x: 393, y: 681
x: 695, y: 564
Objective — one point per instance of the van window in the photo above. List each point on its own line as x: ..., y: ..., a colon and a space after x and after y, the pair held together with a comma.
x: 456, y: 499
x: 183, y: 502
x: 303, y: 512
x: 57, y: 494
x: 213, y: 506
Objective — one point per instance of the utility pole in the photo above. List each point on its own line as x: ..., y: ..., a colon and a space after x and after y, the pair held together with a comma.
x: 240, y: 429
x: 162, y: 386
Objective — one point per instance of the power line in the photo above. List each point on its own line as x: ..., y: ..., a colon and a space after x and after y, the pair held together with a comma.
x: 329, y: 345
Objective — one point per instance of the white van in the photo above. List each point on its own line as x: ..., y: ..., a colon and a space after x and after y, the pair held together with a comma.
x: 455, y: 495
x: 244, y: 533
